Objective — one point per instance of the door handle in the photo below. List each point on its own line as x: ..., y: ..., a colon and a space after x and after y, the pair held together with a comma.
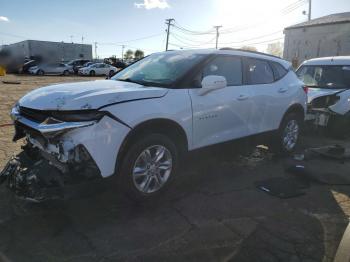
x: 282, y: 90
x: 242, y: 97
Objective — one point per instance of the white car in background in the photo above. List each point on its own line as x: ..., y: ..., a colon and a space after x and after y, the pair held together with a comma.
x: 328, y: 83
x: 50, y: 69
x: 98, y: 69
x: 139, y: 123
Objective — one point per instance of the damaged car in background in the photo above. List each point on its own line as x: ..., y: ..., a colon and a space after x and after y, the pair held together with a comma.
x: 139, y: 123
x: 328, y: 83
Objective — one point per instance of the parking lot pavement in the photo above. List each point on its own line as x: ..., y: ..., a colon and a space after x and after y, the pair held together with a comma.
x: 213, y: 212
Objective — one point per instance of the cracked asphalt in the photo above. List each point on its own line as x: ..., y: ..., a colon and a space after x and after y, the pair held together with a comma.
x: 212, y: 212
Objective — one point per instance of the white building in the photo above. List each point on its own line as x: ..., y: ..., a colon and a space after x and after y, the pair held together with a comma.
x: 324, y: 36
x: 50, y: 51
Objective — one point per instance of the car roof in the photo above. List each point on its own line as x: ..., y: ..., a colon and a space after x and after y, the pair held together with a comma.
x: 237, y: 52
x: 332, y: 60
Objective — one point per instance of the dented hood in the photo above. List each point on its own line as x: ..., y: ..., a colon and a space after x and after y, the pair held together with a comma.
x: 87, y: 95
x: 318, y: 92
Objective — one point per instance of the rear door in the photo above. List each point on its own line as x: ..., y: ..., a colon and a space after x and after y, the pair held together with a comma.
x: 270, y: 94
x: 222, y: 114
x: 51, y: 68
x: 100, y: 70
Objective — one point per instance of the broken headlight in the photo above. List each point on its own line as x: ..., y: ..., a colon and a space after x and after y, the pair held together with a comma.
x: 77, y: 116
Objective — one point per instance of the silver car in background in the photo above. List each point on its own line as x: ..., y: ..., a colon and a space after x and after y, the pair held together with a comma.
x: 98, y: 69
x: 51, y: 69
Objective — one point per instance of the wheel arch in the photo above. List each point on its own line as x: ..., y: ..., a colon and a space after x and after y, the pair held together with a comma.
x: 164, y: 126
x: 297, y: 109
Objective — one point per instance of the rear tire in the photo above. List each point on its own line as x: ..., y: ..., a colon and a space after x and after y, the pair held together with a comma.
x: 288, y: 134
x: 92, y: 73
x: 65, y: 72
x: 148, y: 167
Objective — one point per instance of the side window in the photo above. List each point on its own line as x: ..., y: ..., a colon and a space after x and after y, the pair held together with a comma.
x: 258, y: 71
x: 228, y: 66
x: 278, y: 70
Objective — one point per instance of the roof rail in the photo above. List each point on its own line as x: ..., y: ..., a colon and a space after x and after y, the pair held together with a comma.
x: 249, y: 51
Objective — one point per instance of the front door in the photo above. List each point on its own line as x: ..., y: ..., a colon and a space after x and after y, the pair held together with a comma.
x: 222, y: 114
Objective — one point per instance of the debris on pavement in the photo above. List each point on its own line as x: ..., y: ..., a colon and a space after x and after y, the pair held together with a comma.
x: 282, y: 187
x: 315, y: 165
x: 11, y: 82
x: 259, y: 154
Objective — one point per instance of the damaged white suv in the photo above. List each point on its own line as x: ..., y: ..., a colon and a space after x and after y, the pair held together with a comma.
x: 139, y: 123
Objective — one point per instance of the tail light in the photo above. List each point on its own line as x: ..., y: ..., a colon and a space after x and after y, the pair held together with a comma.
x: 306, y: 89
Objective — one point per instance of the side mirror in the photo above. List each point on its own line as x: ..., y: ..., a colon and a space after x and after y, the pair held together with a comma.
x: 211, y: 83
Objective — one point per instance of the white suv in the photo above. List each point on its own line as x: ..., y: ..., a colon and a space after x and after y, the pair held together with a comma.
x: 138, y: 123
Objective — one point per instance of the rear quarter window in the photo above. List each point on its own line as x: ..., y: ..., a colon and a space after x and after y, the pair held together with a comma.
x: 278, y: 70
x: 257, y: 71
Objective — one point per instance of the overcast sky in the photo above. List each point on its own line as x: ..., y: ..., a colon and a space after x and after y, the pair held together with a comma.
x: 112, y: 23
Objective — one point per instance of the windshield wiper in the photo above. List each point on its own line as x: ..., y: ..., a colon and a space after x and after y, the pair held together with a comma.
x: 142, y: 82
x: 130, y: 81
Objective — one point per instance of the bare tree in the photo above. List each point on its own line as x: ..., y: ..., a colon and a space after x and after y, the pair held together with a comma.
x: 249, y: 48
x: 139, y: 54
x: 275, y: 49
x: 129, y: 54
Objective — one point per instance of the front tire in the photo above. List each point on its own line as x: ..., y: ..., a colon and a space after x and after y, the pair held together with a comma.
x: 65, y: 72
x: 92, y: 73
x: 149, y: 166
x: 40, y: 72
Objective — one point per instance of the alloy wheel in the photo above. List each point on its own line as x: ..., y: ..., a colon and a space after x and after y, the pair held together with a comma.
x: 290, y: 135
x: 152, y: 169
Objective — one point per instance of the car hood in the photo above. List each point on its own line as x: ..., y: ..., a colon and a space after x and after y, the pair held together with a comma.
x: 87, y: 95
x: 318, y: 92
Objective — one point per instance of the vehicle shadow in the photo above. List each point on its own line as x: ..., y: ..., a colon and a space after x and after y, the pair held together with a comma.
x: 212, y: 212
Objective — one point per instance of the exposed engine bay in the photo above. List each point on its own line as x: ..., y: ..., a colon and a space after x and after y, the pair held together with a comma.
x: 330, y: 111
x: 47, y: 165
x: 33, y: 175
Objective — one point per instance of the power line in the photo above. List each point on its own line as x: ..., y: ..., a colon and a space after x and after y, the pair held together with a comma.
x: 263, y: 42
x: 193, y: 45
x: 254, y: 38
x: 292, y: 5
x: 179, y: 27
x: 141, y: 38
x: 196, y: 41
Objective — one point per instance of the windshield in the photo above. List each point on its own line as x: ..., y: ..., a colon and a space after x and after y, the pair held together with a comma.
x: 325, y: 76
x: 162, y: 69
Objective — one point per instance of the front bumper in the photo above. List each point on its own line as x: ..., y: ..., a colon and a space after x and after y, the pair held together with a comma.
x: 59, y: 143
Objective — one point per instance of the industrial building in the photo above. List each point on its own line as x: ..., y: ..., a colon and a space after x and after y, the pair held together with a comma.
x: 324, y: 36
x: 50, y: 51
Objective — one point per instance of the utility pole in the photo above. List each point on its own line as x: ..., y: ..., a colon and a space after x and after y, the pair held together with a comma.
x: 169, y: 23
x: 309, y: 14
x: 217, y: 27
x: 123, y: 46
x: 82, y: 39
x: 71, y: 39
x: 95, y: 43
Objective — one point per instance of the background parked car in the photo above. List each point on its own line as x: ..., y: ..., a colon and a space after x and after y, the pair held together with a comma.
x: 27, y: 65
x: 52, y: 69
x: 98, y: 69
x: 84, y: 65
x: 76, y: 64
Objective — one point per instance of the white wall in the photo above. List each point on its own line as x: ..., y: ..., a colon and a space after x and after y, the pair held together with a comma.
x: 317, y: 41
